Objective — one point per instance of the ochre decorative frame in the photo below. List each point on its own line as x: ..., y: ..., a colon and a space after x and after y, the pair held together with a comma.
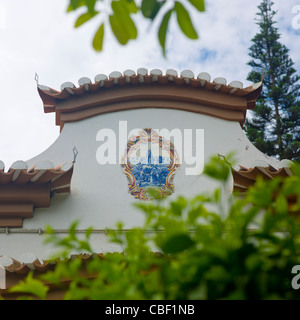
x: 150, y: 136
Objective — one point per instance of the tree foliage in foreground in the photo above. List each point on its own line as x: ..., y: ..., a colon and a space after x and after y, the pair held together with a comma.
x: 274, y: 127
x: 117, y: 14
x: 246, y: 253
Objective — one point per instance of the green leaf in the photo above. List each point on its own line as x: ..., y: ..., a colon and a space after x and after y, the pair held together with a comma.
x: 90, y: 230
x: 296, y: 169
x: 130, y: 5
x: 84, y: 18
x: 184, y: 21
x: 72, y: 229
x: 91, y: 5
x: 75, y: 4
x: 121, y: 23
x: 195, y: 213
x: 281, y: 204
x: 98, y: 38
x: 118, y: 30
x: 198, y: 4
x: 178, y: 206
x: 150, y: 8
x: 217, y: 250
x: 253, y: 262
x: 176, y: 209
x: 162, y: 32
x: 153, y: 193
x: 217, y: 274
x: 218, y: 169
x: 177, y: 243
x: 31, y: 286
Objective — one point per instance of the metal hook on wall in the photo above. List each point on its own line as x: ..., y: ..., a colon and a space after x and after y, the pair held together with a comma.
x: 75, y: 153
x: 36, y: 78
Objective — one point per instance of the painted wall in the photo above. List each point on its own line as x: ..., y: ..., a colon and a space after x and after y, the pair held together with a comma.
x: 99, y: 193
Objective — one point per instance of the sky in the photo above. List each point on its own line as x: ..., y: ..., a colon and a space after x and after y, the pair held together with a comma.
x: 39, y: 37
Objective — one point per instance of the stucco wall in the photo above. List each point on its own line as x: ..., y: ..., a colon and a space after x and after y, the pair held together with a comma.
x: 99, y: 193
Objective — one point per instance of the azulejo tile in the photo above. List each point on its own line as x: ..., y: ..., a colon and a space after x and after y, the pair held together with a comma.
x: 150, y: 163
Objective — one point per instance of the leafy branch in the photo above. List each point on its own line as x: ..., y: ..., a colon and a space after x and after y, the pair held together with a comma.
x: 118, y: 15
x: 193, y: 252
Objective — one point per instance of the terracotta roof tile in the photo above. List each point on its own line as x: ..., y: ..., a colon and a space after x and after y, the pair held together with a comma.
x: 56, y: 101
x: 244, y: 177
x: 129, y: 76
x: 19, y: 174
x: 29, y: 263
x: 22, y: 189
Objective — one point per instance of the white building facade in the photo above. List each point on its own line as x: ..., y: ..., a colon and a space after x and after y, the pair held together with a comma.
x: 82, y: 176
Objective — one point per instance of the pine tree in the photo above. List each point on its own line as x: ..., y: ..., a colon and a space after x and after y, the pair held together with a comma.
x: 274, y: 125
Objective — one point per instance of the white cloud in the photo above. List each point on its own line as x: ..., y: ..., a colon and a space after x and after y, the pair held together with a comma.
x: 39, y: 37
